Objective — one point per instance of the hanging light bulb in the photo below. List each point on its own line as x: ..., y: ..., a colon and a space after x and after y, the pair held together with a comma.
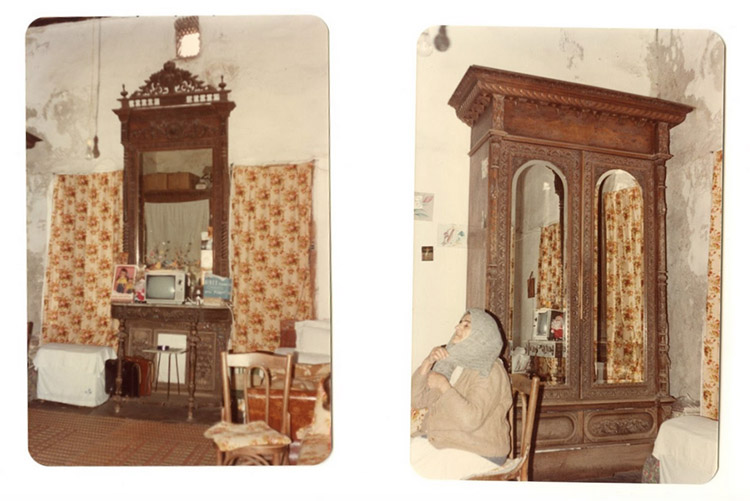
x: 96, y: 147
x: 442, y: 42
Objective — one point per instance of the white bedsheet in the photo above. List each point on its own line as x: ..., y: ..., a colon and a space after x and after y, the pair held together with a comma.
x: 687, y: 448
x: 72, y: 373
x: 446, y: 464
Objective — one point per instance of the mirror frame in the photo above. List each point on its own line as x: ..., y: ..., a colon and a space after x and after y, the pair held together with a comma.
x: 174, y: 110
x: 509, y: 158
x: 642, y: 171
x: 560, y: 189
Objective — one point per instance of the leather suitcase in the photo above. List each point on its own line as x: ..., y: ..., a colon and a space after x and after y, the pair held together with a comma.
x: 145, y: 372
x: 130, y: 377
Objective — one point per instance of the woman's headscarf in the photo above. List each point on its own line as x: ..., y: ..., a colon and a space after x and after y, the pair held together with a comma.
x: 478, y: 351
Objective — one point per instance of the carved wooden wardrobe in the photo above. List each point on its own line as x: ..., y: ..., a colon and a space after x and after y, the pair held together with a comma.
x: 567, y: 248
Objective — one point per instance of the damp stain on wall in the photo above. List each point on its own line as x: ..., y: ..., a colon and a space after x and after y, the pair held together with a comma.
x: 675, y: 77
x: 573, y: 50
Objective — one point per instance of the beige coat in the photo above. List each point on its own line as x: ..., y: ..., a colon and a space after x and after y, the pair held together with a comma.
x: 472, y: 415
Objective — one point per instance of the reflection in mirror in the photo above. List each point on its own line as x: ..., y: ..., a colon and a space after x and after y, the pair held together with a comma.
x: 173, y: 234
x: 176, y: 187
x: 538, y: 320
x: 620, y: 287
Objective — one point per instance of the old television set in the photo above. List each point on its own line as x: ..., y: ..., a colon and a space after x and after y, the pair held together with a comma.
x: 165, y: 286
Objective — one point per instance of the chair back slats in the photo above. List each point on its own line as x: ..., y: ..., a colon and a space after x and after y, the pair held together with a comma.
x: 526, y: 390
x: 265, y: 362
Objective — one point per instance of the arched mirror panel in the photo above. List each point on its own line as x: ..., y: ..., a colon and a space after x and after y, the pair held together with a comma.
x: 540, y: 325
x: 620, y: 311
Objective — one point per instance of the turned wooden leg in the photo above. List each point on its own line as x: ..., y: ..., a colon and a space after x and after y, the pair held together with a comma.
x: 192, y: 360
x: 122, y: 335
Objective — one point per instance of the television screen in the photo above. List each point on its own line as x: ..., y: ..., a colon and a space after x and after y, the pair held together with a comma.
x: 160, y: 287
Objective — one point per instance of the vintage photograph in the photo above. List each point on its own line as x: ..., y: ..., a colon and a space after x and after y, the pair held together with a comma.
x: 123, y: 285
x: 575, y: 158
x: 166, y: 140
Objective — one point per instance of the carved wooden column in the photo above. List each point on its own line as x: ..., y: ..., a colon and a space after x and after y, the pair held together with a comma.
x: 661, y: 256
x: 122, y: 337
x: 192, y: 360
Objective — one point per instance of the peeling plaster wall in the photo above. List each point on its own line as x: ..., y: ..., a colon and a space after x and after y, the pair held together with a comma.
x: 682, y: 66
x: 687, y: 68
x: 274, y: 67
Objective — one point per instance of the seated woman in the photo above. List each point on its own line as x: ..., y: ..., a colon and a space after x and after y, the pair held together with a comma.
x: 464, y: 394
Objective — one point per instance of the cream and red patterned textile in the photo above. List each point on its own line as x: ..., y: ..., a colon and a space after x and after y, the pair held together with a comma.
x: 712, y: 334
x: 232, y: 436
x: 624, y: 254
x: 85, y: 239
x: 550, y: 284
x: 271, y: 235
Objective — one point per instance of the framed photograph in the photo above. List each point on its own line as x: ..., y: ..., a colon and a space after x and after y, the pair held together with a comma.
x: 123, y: 283
x: 549, y: 325
x: 545, y: 349
x: 557, y: 325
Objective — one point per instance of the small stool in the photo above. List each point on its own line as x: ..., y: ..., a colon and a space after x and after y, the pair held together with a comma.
x: 170, y: 352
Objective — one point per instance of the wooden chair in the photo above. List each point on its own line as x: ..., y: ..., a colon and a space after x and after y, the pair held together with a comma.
x: 252, y: 442
x: 516, y: 467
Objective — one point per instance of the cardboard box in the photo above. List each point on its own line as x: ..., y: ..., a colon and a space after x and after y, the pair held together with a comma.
x: 155, y: 182
x: 181, y: 181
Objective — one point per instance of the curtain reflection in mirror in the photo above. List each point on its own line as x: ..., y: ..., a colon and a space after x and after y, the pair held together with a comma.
x: 537, y: 243
x: 550, y: 285
x: 622, y: 327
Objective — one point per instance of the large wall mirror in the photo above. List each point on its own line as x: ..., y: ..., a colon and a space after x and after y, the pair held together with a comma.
x: 538, y: 302
x: 176, y: 175
x: 621, y: 307
x: 175, y: 195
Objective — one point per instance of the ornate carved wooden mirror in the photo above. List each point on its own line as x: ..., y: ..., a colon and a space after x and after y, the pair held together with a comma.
x: 176, y: 177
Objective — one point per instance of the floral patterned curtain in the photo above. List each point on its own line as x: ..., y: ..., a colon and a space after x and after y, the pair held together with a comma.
x: 549, y: 286
x: 712, y: 334
x: 624, y: 261
x: 271, y: 225
x: 85, y: 239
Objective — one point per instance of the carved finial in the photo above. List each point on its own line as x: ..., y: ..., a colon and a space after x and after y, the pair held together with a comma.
x: 124, y: 93
x: 222, y: 84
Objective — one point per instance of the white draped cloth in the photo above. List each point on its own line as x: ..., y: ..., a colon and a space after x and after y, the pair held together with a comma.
x: 178, y: 226
x: 72, y: 373
x: 447, y: 464
x: 687, y: 448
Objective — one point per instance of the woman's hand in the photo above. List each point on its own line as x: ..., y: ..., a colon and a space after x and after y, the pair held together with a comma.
x: 437, y: 381
x: 437, y: 353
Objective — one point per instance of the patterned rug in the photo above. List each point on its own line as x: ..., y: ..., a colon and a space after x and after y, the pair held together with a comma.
x: 67, y: 439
